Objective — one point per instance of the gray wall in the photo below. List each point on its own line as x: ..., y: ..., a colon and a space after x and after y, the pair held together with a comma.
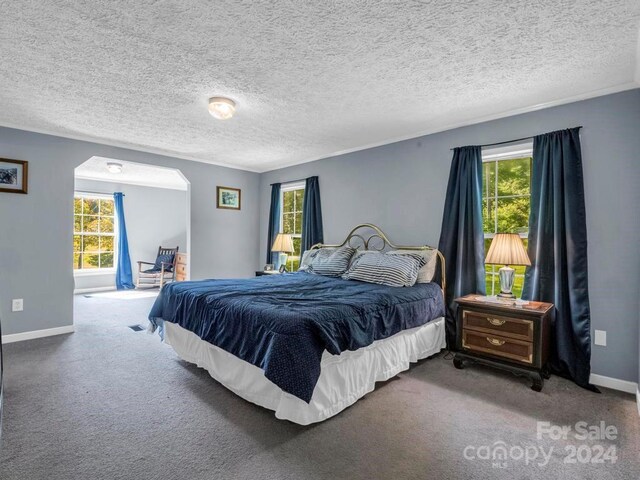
x: 401, y: 187
x: 36, y: 229
x: 154, y: 216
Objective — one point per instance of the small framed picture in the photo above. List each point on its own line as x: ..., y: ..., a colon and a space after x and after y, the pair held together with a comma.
x: 13, y: 176
x: 283, y: 268
x: 268, y: 267
x: 228, y: 198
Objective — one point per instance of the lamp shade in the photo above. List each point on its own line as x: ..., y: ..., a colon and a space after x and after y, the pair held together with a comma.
x: 507, y: 249
x: 283, y: 243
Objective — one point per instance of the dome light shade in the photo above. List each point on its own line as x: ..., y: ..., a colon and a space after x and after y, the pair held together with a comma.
x: 222, y: 108
x: 114, y: 167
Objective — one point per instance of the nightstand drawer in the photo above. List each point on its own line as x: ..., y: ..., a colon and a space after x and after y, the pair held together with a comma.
x: 498, y: 346
x: 498, y: 325
x: 181, y: 269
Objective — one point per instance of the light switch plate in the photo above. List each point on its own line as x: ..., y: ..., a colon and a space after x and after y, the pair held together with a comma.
x: 600, y: 338
x: 17, y: 305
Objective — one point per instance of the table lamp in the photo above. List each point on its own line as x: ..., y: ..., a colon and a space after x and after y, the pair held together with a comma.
x: 507, y: 249
x: 284, y: 245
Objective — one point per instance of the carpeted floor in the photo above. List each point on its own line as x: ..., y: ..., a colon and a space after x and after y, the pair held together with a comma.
x: 110, y: 403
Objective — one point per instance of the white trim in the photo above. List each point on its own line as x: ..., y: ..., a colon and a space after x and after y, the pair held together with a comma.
x: 182, y: 188
x: 636, y: 77
x: 506, y: 152
x: 124, y: 145
x: 131, y: 182
x: 80, y: 291
x: 88, y: 272
x: 473, y: 121
x: 102, y: 196
x: 48, y: 332
x: 613, y: 383
x: 638, y: 399
x: 288, y: 187
x: 481, y: 119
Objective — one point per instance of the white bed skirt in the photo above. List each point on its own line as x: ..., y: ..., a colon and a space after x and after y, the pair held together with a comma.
x: 343, y: 379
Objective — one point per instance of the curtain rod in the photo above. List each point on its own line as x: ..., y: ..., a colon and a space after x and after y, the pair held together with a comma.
x: 288, y: 181
x: 509, y: 141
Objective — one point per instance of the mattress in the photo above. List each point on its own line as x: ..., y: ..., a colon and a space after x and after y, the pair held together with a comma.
x: 344, y: 378
x: 283, y: 324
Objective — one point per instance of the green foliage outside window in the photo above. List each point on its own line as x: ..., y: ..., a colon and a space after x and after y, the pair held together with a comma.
x: 93, y: 233
x: 292, y: 201
x: 506, y: 202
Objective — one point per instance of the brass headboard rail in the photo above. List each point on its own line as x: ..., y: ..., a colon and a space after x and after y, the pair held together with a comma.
x: 379, y: 234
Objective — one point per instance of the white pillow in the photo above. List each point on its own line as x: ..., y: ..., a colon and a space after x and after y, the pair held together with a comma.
x: 427, y: 272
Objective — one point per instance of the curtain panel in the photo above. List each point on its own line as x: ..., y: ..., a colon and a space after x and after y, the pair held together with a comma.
x: 558, y: 250
x: 124, y: 277
x: 274, y: 224
x: 462, y: 238
x: 312, y: 232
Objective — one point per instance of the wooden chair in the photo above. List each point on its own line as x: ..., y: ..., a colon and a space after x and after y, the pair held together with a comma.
x: 163, y: 270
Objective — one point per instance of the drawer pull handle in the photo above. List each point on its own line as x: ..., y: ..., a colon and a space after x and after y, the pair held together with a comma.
x: 495, y: 341
x: 495, y: 321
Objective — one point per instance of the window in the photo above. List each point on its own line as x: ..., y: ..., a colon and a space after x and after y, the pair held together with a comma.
x: 291, y: 221
x: 506, y: 202
x: 93, y: 232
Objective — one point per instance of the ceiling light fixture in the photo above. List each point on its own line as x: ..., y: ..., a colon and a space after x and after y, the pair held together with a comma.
x: 222, y: 108
x: 114, y: 167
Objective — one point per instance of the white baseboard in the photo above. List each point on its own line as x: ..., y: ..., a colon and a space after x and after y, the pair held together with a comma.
x: 80, y: 291
x: 613, y: 383
x: 47, y: 332
x: 638, y: 399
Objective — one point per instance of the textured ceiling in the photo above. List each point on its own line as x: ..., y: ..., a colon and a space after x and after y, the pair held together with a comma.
x: 311, y: 78
x: 132, y: 173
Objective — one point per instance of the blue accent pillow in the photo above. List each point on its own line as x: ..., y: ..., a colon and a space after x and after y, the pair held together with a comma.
x: 166, y: 259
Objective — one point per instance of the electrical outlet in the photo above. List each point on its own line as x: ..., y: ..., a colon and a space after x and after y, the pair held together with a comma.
x: 600, y: 338
x: 17, y: 305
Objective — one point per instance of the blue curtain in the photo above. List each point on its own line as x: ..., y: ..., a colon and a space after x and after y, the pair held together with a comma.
x: 462, y: 237
x: 311, y: 215
x: 558, y: 250
x: 124, y: 278
x: 274, y: 224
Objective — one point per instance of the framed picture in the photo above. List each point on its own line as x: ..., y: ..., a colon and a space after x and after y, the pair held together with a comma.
x: 228, y: 198
x: 268, y: 267
x: 13, y: 176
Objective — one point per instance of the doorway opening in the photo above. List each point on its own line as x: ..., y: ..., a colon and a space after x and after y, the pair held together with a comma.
x: 157, y: 212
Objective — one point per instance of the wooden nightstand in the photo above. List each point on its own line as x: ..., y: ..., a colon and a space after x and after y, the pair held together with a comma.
x: 506, y: 336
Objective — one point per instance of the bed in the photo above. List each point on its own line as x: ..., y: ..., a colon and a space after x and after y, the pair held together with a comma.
x: 304, y: 345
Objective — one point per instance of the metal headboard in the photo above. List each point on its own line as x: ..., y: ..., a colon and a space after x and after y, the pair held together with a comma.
x: 379, y: 236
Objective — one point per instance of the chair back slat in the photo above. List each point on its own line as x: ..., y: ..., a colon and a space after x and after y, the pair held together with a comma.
x: 168, y: 251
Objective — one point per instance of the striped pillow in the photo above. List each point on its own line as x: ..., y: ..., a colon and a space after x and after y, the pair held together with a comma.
x: 331, y: 262
x: 307, y: 258
x: 428, y: 270
x: 384, y: 269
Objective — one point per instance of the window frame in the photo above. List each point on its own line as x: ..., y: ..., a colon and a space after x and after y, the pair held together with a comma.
x: 498, y: 154
x: 290, y: 187
x: 97, y: 271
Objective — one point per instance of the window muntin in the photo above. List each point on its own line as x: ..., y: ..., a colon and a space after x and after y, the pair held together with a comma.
x: 506, y: 203
x: 291, y: 220
x: 93, y: 233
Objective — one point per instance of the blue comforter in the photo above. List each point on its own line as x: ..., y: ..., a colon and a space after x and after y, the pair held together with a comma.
x: 283, y: 323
